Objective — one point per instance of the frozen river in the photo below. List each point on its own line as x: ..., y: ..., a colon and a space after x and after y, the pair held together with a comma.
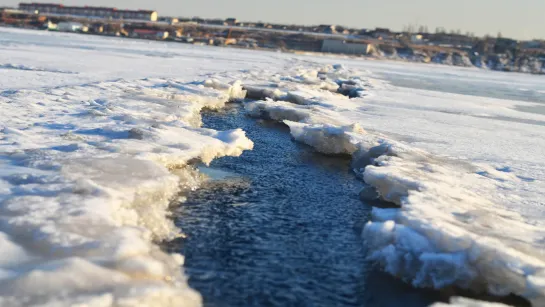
x: 281, y: 225
x: 96, y: 134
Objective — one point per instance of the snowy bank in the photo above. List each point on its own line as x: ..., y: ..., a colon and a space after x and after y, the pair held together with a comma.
x: 463, y: 302
x: 450, y: 225
x: 86, y: 177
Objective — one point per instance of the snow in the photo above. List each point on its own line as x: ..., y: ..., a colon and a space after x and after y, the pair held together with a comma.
x: 96, y: 134
x: 88, y: 166
x: 328, y: 139
x: 459, y: 182
x: 463, y: 302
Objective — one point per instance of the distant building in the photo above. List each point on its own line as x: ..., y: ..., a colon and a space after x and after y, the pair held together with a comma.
x: 382, y: 34
x: 231, y: 21
x: 416, y: 38
x: 340, y: 46
x: 533, y: 44
x: 503, y: 45
x: 51, y: 26
x: 328, y: 29
x: 197, y: 20
x: 69, y: 27
x: 88, y: 11
x: 219, y: 22
x: 452, y: 40
x: 149, y: 34
x: 169, y: 20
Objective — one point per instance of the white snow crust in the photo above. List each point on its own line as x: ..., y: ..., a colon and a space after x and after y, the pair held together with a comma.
x: 87, y: 173
x: 86, y: 188
x: 96, y: 133
x: 464, y: 302
x: 457, y: 222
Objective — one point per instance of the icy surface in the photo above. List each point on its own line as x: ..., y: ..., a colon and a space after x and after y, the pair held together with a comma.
x: 88, y: 170
x: 95, y: 133
x: 463, y: 302
x: 466, y: 172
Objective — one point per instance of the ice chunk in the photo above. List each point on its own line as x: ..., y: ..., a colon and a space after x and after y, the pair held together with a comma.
x: 327, y: 139
x: 277, y: 111
x: 234, y: 90
x: 262, y: 93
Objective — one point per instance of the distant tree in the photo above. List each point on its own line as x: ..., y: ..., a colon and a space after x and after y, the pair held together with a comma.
x: 421, y: 29
x: 441, y: 30
x: 481, y: 46
x: 459, y: 32
x: 426, y: 29
x: 499, y: 35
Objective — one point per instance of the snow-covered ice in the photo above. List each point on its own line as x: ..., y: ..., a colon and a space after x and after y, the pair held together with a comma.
x: 466, y: 172
x: 95, y: 134
x: 463, y: 302
x: 88, y: 166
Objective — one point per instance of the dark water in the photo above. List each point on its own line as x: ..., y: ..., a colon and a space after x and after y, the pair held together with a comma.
x: 284, y: 230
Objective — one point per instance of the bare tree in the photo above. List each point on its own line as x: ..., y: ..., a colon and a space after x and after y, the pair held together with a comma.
x: 440, y: 30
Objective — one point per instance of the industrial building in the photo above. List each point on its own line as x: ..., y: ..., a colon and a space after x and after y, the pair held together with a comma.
x: 88, y: 11
x: 344, y: 47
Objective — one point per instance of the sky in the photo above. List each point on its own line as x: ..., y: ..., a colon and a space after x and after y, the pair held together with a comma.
x: 520, y: 19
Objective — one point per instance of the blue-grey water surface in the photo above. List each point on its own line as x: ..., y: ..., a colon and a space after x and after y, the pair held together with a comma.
x: 284, y: 230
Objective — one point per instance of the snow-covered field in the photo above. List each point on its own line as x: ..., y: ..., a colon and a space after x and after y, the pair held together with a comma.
x: 95, y: 134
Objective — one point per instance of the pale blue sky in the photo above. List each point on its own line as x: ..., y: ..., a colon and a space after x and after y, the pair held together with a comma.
x: 523, y: 19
